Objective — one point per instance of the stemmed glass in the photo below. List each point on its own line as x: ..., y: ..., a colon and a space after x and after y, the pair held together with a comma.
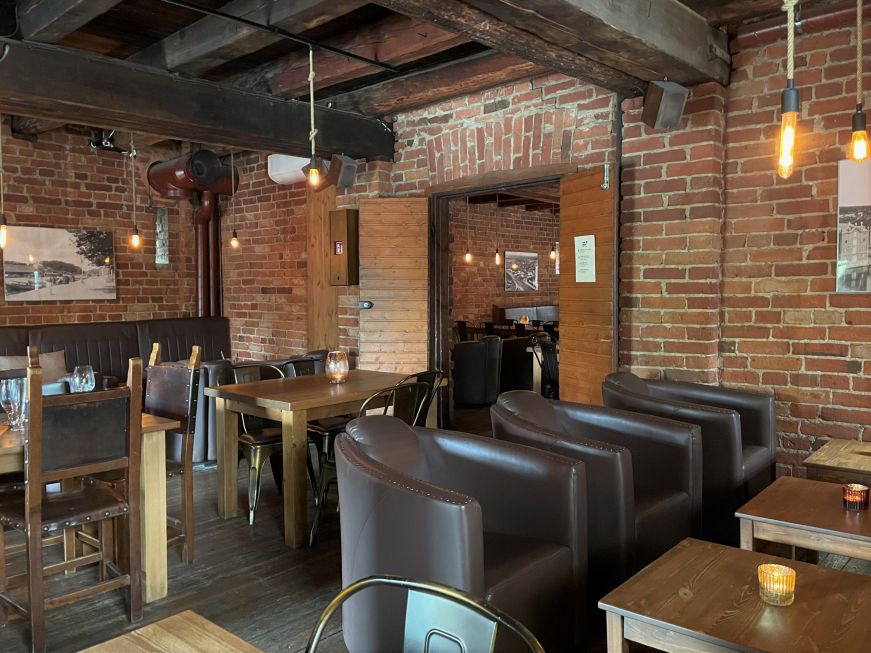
x: 82, y: 379
x: 14, y: 401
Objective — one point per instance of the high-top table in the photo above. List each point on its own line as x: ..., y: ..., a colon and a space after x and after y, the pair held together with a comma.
x: 291, y: 402
x: 841, y: 461
x: 152, y: 495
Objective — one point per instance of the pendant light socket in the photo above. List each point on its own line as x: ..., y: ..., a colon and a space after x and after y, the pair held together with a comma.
x: 234, y: 240
x: 4, y: 231
x: 790, y: 100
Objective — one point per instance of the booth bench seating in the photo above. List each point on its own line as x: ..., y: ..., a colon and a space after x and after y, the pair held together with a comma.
x: 107, y: 347
x: 539, y: 313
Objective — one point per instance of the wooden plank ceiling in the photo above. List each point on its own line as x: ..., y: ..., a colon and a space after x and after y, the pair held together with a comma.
x: 430, y: 51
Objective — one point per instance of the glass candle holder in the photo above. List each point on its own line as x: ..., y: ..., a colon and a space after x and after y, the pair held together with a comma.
x: 337, y: 368
x: 855, y: 496
x: 776, y: 584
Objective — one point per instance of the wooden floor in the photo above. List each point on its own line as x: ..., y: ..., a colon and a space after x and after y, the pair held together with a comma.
x: 244, y: 579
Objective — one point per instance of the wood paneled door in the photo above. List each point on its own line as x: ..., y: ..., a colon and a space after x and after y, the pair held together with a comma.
x: 588, y: 324
x: 394, y: 276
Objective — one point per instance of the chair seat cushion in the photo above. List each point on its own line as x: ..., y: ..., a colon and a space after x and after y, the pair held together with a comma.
x: 662, y: 519
x: 755, y: 460
x: 329, y: 425
x: 90, y: 504
x: 519, y: 571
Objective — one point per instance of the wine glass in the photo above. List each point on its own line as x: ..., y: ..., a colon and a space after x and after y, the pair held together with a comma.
x: 12, y: 400
x: 82, y: 379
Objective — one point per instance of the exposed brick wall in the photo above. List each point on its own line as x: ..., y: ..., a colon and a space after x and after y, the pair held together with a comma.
x: 264, y: 279
x: 477, y: 286
x: 59, y: 181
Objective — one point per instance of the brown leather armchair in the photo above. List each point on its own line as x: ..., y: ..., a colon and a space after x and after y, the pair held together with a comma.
x: 505, y: 523
x: 644, y: 476
x: 738, y: 439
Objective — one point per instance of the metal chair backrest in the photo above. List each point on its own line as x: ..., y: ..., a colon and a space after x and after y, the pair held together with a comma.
x: 300, y: 367
x: 433, y: 378
x: 489, y: 329
x: 320, y: 358
x: 462, y: 330
x: 252, y: 374
x: 550, y: 329
x: 406, y: 400
x: 437, y: 618
x: 549, y: 363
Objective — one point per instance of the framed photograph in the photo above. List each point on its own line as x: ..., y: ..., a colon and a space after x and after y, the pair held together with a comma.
x: 854, y: 227
x: 521, y: 271
x: 42, y: 264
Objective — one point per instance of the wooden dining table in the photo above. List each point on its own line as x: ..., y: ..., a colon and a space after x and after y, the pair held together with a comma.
x: 292, y: 402
x: 152, y: 493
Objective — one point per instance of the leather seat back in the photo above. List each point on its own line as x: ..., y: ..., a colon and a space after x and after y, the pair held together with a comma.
x: 105, y: 346
x: 516, y: 367
x: 477, y: 371
x: 13, y: 341
x: 177, y: 335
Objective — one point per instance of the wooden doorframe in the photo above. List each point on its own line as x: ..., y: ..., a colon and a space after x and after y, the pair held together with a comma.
x: 440, y: 260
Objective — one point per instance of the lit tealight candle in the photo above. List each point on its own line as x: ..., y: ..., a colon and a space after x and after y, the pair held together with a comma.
x: 855, y: 496
x: 776, y: 584
x: 337, y: 367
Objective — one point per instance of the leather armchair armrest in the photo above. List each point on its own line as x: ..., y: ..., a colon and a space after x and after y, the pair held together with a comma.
x: 666, y: 454
x: 758, y: 425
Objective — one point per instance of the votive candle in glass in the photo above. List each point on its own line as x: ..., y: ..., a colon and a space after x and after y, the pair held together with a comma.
x: 855, y: 496
x: 337, y: 367
x: 776, y: 584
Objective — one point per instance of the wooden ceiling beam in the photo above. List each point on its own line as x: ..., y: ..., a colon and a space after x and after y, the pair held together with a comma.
x: 735, y: 12
x: 62, y: 84
x: 656, y: 40
x: 488, y: 30
x: 421, y: 88
x: 396, y: 40
x: 212, y: 41
x: 49, y: 21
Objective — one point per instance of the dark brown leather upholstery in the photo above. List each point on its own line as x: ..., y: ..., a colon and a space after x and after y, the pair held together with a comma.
x: 176, y: 337
x: 516, y: 368
x: 738, y: 439
x: 644, y: 476
x: 503, y: 522
x: 477, y: 371
x: 106, y: 346
x: 13, y: 341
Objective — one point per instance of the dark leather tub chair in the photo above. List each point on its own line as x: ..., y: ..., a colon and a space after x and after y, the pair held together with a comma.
x: 477, y: 370
x: 644, y: 476
x: 505, y: 523
x: 738, y: 439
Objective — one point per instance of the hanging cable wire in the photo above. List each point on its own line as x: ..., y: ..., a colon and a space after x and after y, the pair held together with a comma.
x: 468, y: 256
x: 789, y: 100
x: 4, y: 235
x: 314, y: 174
x: 234, y: 239
x: 859, y: 148
x: 553, y: 219
x: 135, y: 238
x: 498, y: 257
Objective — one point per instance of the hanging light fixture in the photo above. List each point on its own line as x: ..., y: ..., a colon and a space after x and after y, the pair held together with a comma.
x: 234, y: 238
x: 4, y: 231
x: 135, y: 238
x: 789, y: 99
x: 859, y: 141
x: 553, y: 219
x: 468, y: 256
x: 498, y: 257
x: 314, y: 173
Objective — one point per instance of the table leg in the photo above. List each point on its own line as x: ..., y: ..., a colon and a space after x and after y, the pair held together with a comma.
x: 294, y: 448
x: 152, y: 506
x: 227, y: 433
x: 747, y: 542
x: 614, y: 633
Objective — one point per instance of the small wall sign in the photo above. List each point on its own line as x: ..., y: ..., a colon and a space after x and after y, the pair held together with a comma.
x: 585, y: 259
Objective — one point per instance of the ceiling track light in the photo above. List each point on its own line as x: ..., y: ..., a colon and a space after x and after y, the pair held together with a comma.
x: 789, y: 100
x: 859, y: 139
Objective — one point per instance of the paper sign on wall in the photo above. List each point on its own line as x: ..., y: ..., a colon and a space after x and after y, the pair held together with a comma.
x: 585, y: 259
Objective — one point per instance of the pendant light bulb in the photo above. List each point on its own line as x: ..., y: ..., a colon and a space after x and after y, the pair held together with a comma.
x: 4, y: 232
x: 468, y: 256
x: 788, y: 124
x: 135, y: 239
x: 553, y: 252
x: 498, y: 257
x: 859, y: 142
x: 314, y: 175
x: 234, y: 240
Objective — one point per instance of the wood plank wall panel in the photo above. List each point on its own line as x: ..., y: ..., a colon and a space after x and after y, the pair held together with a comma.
x: 587, y: 323
x: 394, y: 271
x: 322, y: 303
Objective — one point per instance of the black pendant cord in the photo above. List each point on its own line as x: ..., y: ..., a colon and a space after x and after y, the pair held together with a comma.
x: 283, y: 33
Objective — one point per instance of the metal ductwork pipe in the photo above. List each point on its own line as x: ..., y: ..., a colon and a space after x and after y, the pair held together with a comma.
x: 200, y: 176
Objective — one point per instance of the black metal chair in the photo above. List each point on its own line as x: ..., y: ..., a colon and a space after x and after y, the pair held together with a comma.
x: 489, y: 329
x: 434, y: 379
x: 462, y: 330
x: 550, y: 329
x: 549, y: 369
x: 436, y: 612
x: 519, y: 330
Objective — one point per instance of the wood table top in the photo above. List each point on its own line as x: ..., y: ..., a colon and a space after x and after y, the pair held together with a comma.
x: 305, y: 392
x: 812, y: 505
x: 185, y: 632
x: 710, y: 592
x: 846, y: 455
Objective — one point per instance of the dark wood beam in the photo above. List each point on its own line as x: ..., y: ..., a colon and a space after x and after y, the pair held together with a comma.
x: 420, y: 88
x: 28, y: 128
x: 490, y: 31
x: 658, y: 40
x: 49, y: 21
x: 212, y: 41
x: 396, y: 40
x: 735, y: 12
x: 60, y: 84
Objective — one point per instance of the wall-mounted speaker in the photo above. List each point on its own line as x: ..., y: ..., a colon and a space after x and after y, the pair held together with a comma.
x: 664, y: 103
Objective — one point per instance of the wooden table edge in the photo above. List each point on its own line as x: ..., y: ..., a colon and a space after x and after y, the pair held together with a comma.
x: 804, y: 527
